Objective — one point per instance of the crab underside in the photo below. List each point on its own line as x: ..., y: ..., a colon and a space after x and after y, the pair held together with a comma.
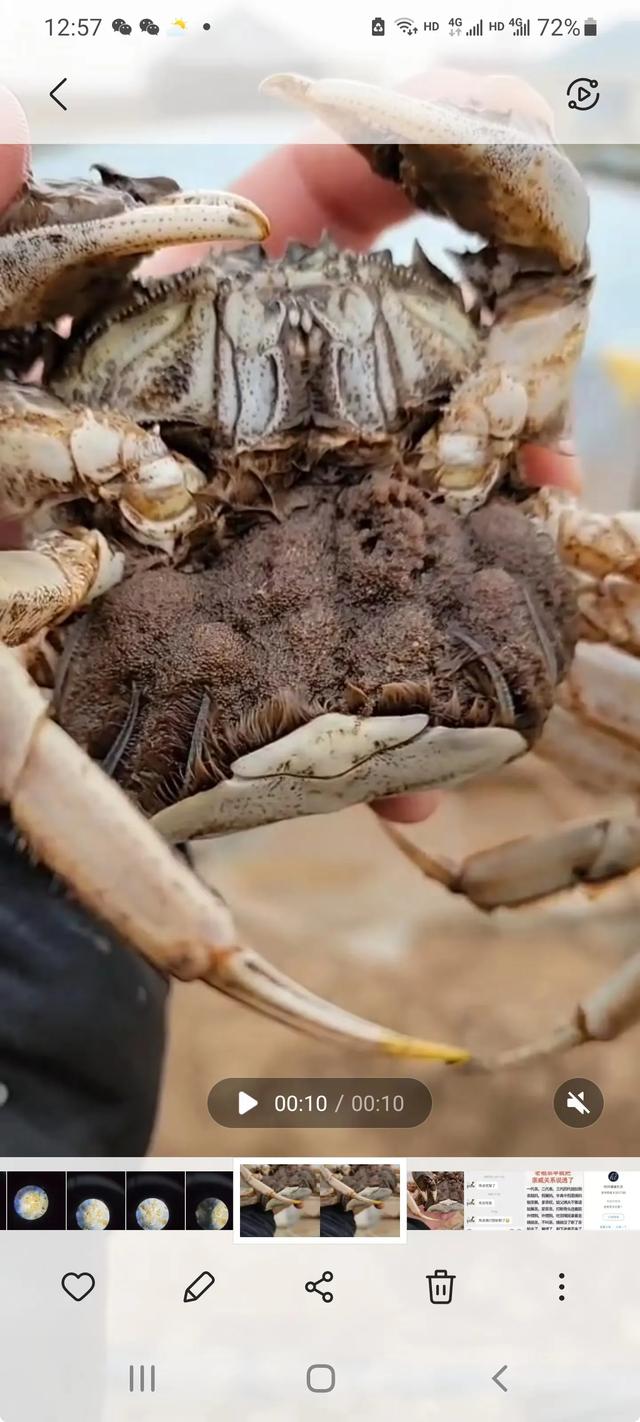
x: 289, y: 558
x: 366, y: 600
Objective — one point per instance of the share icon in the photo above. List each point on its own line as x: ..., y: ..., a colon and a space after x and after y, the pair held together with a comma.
x: 312, y: 1286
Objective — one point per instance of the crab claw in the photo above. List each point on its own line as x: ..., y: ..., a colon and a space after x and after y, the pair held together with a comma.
x: 85, y: 829
x: 251, y: 979
x: 493, y: 174
x: 66, y: 269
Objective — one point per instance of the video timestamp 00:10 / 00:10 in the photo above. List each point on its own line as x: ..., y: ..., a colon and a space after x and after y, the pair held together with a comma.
x: 338, y: 1101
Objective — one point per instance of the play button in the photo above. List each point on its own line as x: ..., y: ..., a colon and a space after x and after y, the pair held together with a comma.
x: 246, y: 1103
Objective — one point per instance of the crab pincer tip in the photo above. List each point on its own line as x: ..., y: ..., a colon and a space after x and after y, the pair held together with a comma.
x: 286, y: 86
x: 419, y: 1049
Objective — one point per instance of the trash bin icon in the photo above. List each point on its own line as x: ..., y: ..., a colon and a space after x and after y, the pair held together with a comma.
x: 440, y: 1286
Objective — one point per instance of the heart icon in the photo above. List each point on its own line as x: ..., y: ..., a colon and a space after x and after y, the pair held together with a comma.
x: 78, y: 1286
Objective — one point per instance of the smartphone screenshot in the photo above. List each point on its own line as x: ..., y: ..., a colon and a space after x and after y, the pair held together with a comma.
x: 319, y: 713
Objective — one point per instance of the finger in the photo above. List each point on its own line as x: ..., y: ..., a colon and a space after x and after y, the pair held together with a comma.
x: 10, y: 534
x: 310, y: 188
x: 407, y: 809
x: 558, y: 466
x: 14, y: 148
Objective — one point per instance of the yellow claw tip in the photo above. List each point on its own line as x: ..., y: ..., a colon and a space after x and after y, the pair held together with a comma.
x: 427, y: 1051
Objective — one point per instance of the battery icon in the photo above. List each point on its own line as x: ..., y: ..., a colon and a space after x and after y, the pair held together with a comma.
x: 590, y: 27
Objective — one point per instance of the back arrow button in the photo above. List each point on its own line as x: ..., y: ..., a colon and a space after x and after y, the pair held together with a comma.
x: 53, y: 92
x: 497, y: 1376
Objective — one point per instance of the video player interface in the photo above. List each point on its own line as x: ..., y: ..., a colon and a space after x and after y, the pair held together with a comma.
x: 319, y: 714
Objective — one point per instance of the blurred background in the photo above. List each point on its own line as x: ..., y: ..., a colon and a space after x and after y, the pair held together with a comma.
x: 332, y: 902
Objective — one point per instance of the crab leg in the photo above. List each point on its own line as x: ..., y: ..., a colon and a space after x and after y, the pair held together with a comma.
x: 594, y: 756
x: 44, y: 271
x: 593, y: 732
x: 596, y: 854
x: 594, y: 543
x: 522, y: 871
x: 121, y: 870
x: 604, y: 1014
x: 55, y: 576
x: 610, y: 610
x: 50, y: 453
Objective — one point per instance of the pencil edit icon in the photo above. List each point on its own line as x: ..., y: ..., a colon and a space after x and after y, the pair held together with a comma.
x: 198, y: 1287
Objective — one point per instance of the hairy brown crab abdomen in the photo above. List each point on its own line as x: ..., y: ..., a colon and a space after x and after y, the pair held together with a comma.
x: 370, y: 599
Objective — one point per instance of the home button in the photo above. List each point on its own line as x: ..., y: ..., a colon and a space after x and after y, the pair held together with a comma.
x: 321, y: 1377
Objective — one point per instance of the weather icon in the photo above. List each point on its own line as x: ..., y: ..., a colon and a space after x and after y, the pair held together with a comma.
x: 181, y: 24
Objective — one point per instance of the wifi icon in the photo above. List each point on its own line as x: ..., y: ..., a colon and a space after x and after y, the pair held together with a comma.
x: 407, y: 27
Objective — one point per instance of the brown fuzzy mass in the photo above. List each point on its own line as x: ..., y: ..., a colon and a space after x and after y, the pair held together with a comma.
x: 368, y: 598
x: 287, y: 1177
x: 368, y: 1177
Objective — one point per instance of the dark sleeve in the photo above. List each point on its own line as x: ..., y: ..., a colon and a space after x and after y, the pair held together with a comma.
x: 82, y: 1023
x: 256, y: 1223
x: 337, y: 1223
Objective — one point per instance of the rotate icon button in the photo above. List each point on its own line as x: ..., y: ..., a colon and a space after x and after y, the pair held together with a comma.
x: 583, y: 94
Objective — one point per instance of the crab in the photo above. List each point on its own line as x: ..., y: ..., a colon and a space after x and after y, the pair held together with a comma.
x: 436, y: 1198
x: 358, y: 1187
x: 275, y: 1187
x: 281, y: 559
